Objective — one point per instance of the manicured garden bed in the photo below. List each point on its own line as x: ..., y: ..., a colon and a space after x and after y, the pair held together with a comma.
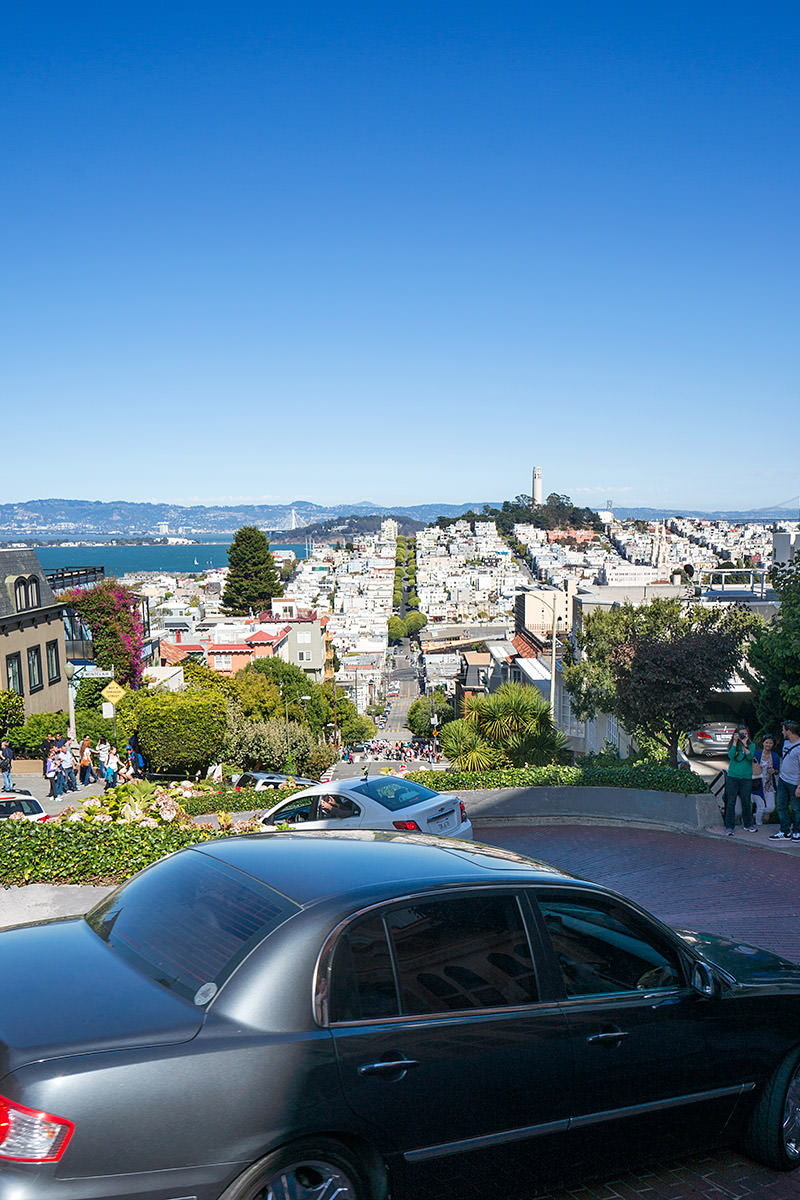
x: 645, y: 776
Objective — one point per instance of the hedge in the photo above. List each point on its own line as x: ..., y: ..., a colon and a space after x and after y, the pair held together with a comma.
x: 38, y: 852
x: 643, y: 775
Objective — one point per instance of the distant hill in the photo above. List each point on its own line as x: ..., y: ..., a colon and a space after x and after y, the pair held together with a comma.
x: 737, y: 517
x: 64, y: 520
x: 344, y: 529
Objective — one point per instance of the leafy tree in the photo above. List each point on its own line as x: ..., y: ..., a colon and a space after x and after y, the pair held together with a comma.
x: 12, y: 712
x: 414, y: 622
x: 274, y: 746
x: 26, y: 739
x: 397, y: 629
x: 271, y: 688
x: 253, y: 578
x: 111, y: 611
x: 197, y: 677
x: 418, y: 719
x: 654, y: 667
x: 774, y: 654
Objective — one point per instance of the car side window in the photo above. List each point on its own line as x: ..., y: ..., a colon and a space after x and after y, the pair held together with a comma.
x: 602, y: 947
x: 294, y: 814
x: 462, y: 953
x: 362, y: 980
x: 331, y: 807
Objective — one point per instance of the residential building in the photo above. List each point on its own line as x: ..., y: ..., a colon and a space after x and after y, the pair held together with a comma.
x: 32, y: 634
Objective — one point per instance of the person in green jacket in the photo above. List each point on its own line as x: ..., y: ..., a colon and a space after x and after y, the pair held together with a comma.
x: 739, y: 780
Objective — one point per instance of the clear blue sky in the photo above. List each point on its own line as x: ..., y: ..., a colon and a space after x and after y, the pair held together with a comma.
x: 400, y: 253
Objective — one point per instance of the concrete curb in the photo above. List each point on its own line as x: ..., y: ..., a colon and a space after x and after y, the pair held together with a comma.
x: 587, y: 805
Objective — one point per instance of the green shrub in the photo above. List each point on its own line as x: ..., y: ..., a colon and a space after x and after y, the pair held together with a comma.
x: 179, y: 732
x: 33, y: 852
x: 644, y: 775
x: 26, y: 740
x: 12, y: 711
x: 87, y: 721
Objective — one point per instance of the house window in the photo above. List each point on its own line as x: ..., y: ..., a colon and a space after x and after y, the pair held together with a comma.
x: 35, y: 668
x: 14, y: 673
x: 34, y: 596
x: 21, y: 594
x: 222, y: 662
x: 53, y: 665
x: 304, y: 656
x: 304, y: 638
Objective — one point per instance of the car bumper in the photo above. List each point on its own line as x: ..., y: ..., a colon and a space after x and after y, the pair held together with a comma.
x: 27, y: 1181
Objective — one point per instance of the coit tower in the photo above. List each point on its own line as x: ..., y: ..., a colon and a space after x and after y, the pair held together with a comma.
x: 537, y: 486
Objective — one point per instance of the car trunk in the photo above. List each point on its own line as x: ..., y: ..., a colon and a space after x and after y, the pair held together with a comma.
x: 93, y: 1000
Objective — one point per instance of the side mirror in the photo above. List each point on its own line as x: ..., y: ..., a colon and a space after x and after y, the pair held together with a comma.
x: 704, y: 980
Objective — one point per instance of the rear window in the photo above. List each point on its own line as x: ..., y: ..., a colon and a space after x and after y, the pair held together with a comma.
x: 394, y: 793
x: 20, y: 805
x: 189, y: 921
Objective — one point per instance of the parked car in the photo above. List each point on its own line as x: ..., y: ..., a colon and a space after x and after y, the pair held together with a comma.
x: 376, y: 802
x: 362, y: 1014
x: 264, y: 781
x: 710, y: 740
x: 21, y: 804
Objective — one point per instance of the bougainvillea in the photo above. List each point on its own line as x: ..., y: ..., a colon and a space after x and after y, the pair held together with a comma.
x: 111, y: 612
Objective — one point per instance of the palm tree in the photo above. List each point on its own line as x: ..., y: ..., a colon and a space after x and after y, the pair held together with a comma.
x: 464, y: 747
x: 515, y: 722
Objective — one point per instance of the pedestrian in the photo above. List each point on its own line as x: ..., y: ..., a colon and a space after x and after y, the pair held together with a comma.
x: 766, y: 765
x: 46, y: 746
x: 85, y: 758
x: 52, y: 774
x: 68, y: 767
x: 739, y: 780
x: 103, y: 747
x: 112, y: 767
x: 787, y: 792
x: 6, y: 759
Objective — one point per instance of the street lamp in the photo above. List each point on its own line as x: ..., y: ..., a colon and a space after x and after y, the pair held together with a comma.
x: 553, y: 645
x: 69, y: 671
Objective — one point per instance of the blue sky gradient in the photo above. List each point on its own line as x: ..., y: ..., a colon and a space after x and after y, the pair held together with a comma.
x: 350, y: 252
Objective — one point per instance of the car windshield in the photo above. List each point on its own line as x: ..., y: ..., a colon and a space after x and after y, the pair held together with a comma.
x: 188, y: 921
x: 394, y: 793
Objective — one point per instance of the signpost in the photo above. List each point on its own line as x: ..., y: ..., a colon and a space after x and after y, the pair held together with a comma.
x: 113, y: 693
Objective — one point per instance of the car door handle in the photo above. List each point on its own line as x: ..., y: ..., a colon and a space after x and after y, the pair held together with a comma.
x: 388, y: 1067
x: 607, y: 1037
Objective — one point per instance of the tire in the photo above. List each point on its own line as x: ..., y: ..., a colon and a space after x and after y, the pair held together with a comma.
x: 773, y: 1135
x: 313, y: 1169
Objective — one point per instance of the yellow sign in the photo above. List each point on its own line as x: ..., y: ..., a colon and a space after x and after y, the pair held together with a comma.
x: 113, y: 693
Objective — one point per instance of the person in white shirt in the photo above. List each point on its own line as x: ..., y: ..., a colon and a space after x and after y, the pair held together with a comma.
x: 787, y: 793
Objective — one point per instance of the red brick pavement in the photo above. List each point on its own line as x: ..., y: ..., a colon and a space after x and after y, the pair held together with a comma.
x: 726, y: 887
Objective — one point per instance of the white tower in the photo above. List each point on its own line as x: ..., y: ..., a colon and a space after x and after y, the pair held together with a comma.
x: 537, y: 486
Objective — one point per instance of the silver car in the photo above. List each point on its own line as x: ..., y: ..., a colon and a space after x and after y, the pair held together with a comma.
x: 710, y: 740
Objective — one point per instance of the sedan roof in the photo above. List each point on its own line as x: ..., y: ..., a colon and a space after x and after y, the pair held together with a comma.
x: 307, y: 866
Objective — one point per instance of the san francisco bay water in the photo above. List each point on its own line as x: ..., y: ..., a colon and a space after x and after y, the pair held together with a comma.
x: 120, y: 560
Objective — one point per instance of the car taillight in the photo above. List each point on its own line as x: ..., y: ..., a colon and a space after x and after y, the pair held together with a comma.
x: 463, y: 809
x: 704, y: 736
x: 407, y: 826
x: 27, y: 1135
x: 44, y: 817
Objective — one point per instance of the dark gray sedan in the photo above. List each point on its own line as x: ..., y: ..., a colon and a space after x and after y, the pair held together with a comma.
x: 348, y: 1016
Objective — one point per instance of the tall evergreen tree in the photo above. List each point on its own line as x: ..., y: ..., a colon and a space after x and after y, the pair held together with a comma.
x: 253, y: 578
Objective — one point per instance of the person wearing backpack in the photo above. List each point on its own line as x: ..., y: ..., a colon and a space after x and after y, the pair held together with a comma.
x: 6, y: 759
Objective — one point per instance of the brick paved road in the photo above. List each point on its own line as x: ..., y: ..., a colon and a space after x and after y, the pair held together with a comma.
x: 722, y: 886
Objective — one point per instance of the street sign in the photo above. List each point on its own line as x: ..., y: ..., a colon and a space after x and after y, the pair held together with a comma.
x: 113, y: 693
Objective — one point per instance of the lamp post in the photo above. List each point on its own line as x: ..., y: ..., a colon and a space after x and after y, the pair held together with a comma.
x: 69, y: 671
x: 553, y: 645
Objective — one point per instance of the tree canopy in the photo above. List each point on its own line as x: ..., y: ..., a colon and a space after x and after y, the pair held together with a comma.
x: 655, y: 666
x: 774, y: 654
x: 253, y: 578
x: 418, y: 718
x: 557, y: 512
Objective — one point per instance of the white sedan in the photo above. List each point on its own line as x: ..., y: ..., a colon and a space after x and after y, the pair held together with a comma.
x: 21, y: 806
x: 376, y: 802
